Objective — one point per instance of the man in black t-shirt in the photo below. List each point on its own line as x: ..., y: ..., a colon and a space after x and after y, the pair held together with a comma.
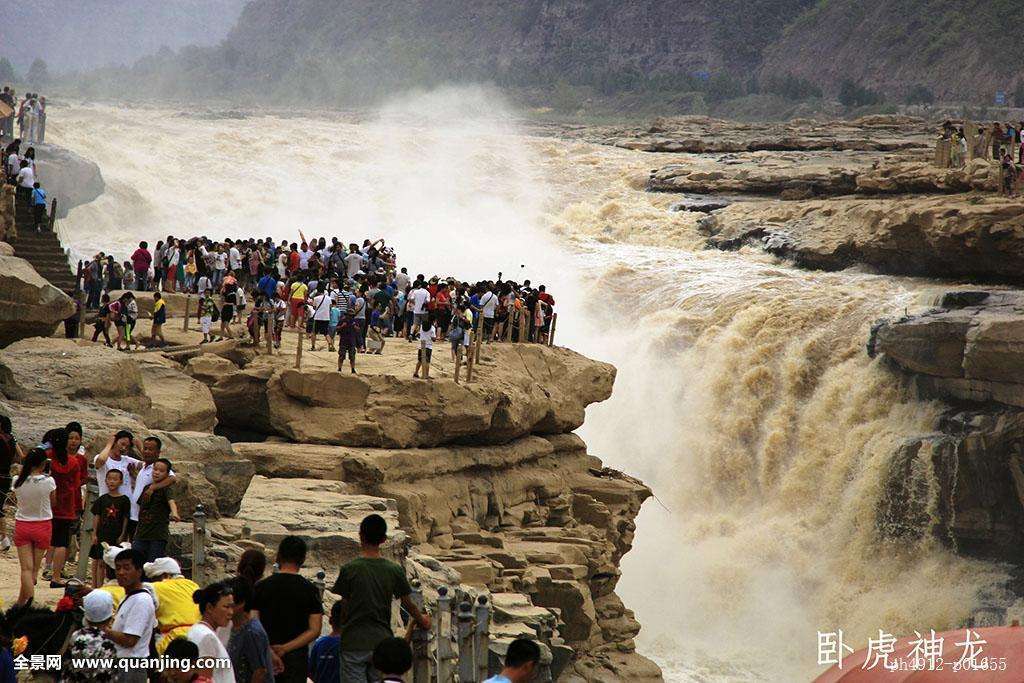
x: 291, y: 612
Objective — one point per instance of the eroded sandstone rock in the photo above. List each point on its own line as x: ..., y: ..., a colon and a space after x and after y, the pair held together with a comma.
x: 29, y: 305
x: 322, y: 406
x: 970, y: 236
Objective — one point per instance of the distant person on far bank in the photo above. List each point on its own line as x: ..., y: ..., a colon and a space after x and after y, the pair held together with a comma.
x: 368, y: 584
x: 521, y: 663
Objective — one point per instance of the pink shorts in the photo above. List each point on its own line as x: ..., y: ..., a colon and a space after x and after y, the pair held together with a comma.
x: 32, y: 533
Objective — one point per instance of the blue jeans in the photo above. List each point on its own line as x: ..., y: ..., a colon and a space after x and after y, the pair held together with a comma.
x: 150, y: 550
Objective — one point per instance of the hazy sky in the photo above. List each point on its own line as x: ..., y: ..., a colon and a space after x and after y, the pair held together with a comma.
x: 76, y: 34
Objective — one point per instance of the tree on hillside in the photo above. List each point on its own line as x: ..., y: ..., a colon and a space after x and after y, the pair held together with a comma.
x: 853, y: 95
x: 38, y: 73
x: 7, y: 74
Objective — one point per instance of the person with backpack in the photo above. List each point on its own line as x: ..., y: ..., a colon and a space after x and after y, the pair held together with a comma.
x: 321, y: 304
x: 135, y: 618
x: 116, y: 314
x: 102, y: 322
x: 229, y: 296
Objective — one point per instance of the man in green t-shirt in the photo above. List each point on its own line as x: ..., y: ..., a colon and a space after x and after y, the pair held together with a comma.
x: 368, y: 584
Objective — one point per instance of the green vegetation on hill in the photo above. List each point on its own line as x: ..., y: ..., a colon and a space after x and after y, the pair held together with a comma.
x: 692, y: 56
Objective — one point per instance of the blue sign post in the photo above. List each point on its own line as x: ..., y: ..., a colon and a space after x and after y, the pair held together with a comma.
x: 1001, y: 97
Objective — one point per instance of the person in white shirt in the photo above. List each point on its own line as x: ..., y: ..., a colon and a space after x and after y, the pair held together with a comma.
x: 114, y: 456
x: 13, y: 164
x: 216, y: 605
x: 282, y: 265
x: 426, y: 347
x: 135, y: 618
x: 488, y: 304
x: 402, y: 280
x: 353, y: 262
x: 321, y: 317
x: 33, y: 519
x: 304, y: 255
x: 143, y: 473
x: 235, y: 259
x: 420, y: 299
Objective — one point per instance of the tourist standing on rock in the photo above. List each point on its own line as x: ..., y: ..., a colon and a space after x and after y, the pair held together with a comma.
x: 93, y: 277
x: 130, y: 312
x: 321, y: 317
x: 111, y: 512
x: 67, y: 473
x: 115, y: 456
x: 347, y: 333
x: 102, y: 322
x: 143, y: 476
x: 229, y: 297
x: 368, y: 584
x: 521, y: 662
x: 33, y: 519
x: 141, y: 261
x: 289, y: 608
x: 156, y: 510
x: 248, y: 645
x: 216, y: 604
x: 159, y: 318
x: 135, y: 618
x: 158, y: 264
x: 426, y: 347
x: 10, y: 453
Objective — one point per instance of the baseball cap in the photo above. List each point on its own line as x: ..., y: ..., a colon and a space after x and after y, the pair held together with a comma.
x: 98, y: 606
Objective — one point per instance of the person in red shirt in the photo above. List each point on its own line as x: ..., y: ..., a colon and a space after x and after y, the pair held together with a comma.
x: 293, y: 259
x: 66, y: 472
x: 141, y: 261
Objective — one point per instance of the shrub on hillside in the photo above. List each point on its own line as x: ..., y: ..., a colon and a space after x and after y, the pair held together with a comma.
x: 853, y: 95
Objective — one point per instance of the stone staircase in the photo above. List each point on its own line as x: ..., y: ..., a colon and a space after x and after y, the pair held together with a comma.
x: 42, y: 249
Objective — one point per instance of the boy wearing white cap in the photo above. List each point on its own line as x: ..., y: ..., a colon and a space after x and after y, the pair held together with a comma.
x: 90, y: 642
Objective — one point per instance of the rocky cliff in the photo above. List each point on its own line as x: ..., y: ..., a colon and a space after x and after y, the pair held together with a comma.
x: 967, y: 351
x: 488, y: 488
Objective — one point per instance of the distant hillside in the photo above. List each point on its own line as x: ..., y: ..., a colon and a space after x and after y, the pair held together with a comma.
x: 85, y: 34
x: 959, y: 49
x: 688, y: 52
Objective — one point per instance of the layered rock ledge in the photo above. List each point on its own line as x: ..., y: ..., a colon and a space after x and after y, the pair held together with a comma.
x: 968, y: 352
x: 488, y: 489
x: 974, y: 236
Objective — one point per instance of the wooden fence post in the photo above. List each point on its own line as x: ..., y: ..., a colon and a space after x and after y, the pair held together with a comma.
x: 479, y: 337
x: 551, y: 332
x: 301, y: 337
x: 270, y: 332
x: 522, y: 324
x: 53, y: 213
x: 469, y: 358
x: 458, y: 361
x: 184, y: 323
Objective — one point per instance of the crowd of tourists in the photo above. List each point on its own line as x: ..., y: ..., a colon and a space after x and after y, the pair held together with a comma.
x: 251, y: 626
x: 28, y: 112
x: 19, y: 170
x: 352, y: 297
x: 1002, y: 142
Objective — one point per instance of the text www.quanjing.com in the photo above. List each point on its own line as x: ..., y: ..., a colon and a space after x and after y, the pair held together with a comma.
x: 157, y: 664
